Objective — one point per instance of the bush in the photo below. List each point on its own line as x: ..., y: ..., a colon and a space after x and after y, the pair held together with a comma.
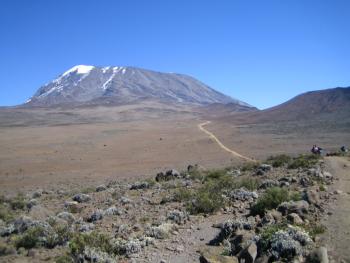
x: 93, y: 239
x: 64, y: 259
x: 30, y: 239
x: 249, y: 183
x: 279, y: 160
x: 18, y: 202
x: 270, y: 200
x: 249, y: 166
x: 304, y: 161
x: 182, y: 195
x: 267, y: 233
x: 207, y: 199
x: 5, y: 214
x: 60, y: 236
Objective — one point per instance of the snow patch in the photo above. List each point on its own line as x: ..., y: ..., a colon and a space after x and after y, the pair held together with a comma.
x: 80, y: 69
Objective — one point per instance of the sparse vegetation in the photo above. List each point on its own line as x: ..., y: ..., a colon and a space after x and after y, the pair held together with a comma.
x: 279, y: 160
x: 304, y: 161
x: 272, y: 198
x: 18, y: 202
x: 5, y: 213
x: 94, y: 239
x: 31, y: 238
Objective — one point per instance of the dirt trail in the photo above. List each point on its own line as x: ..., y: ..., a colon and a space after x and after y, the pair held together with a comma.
x: 337, y: 236
x: 211, y: 135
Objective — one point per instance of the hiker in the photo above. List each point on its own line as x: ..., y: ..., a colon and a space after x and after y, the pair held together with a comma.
x: 316, y: 150
x: 343, y: 149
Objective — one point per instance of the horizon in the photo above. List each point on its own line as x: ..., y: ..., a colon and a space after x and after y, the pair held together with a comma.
x: 263, y: 54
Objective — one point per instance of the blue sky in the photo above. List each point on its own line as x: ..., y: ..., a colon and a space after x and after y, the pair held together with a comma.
x: 262, y: 52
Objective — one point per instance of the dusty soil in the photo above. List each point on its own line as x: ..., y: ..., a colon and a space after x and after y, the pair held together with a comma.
x: 337, y: 237
x: 56, y: 147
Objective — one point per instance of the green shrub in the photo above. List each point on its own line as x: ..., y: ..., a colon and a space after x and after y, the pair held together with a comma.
x: 304, y: 161
x: 182, y: 195
x: 18, y: 202
x: 215, y: 174
x: 267, y: 232
x: 207, y: 199
x: 94, y: 239
x: 314, y: 229
x: 249, y: 183
x: 279, y: 160
x: 60, y: 236
x: 249, y: 166
x: 30, y: 239
x: 270, y: 200
x: 64, y: 259
x: 5, y: 214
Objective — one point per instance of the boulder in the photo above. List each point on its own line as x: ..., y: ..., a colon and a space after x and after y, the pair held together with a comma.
x: 268, y: 183
x: 38, y: 193
x: 112, y: 211
x: 101, y: 188
x: 266, y: 167
x: 312, y: 197
x: 139, y: 185
x: 95, y: 216
x: 81, y: 198
x: 168, y: 175
x: 243, y: 195
x: 214, y: 255
x: 299, y: 207
x: 31, y: 203
x: 68, y: 217
x: 295, y: 219
x: 318, y: 255
x: 248, y: 254
x: 178, y: 217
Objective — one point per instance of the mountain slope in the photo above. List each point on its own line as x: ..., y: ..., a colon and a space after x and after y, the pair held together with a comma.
x: 333, y: 104
x: 105, y: 85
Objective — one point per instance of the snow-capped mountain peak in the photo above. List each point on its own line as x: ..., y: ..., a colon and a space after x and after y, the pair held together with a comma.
x: 84, y: 84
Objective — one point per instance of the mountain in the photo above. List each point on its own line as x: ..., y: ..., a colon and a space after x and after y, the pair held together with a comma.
x: 330, y: 103
x: 86, y: 85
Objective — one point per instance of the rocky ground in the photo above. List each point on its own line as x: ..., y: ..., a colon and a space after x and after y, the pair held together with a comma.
x: 276, y: 211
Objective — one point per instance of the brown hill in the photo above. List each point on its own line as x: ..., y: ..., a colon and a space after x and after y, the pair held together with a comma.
x: 322, y: 104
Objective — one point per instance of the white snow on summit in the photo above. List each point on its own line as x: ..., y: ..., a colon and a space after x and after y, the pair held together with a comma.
x: 79, y: 69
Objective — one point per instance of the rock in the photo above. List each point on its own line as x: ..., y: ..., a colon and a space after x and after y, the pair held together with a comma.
x: 92, y: 254
x: 299, y: 207
x: 7, y: 230
x: 22, y: 224
x: 178, y: 217
x: 266, y: 167
x: 124, y: 200
x: 31, y: 253
x: 86, y: 227
x: 213, y: 255
x: 95, y: 216
x: 312, y: 197
x: 139, y: 185
x: 248, y: 254
x: 260, y: 172
x: 338, y: 192
x: 243, y: 195
x: 101, y: 188
x: 68, y: 217
x: 38, y: 193
x: 168, y: 175
x: 318, y: 255
x: 328, y: 175
x: 240, y: 240
x: 31, y: 203
x: 192, y: 168
x: 72, y: 206
x: 112, y: 211
x: 295, y: 219
x: 81, y: 198
x: 229, y: 228
x: 268, y: 183
x: 160, y: 232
